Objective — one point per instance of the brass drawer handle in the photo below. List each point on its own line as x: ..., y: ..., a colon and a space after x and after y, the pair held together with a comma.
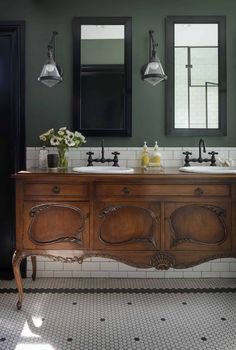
x: 126, y: 190
x: 56, y: 189
x: 199, y: 191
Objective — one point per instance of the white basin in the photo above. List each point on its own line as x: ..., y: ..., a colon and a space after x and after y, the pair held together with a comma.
x: 103, y: 170
x: 209, y: 169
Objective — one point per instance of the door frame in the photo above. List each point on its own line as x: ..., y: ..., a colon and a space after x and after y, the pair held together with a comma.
x: 16, y: 31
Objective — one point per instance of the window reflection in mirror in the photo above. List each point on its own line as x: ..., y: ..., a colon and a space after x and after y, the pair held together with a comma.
x: 102, y: 76
x: 196, y: 88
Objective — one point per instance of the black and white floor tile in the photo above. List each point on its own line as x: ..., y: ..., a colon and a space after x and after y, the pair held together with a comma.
x: 110, y: 314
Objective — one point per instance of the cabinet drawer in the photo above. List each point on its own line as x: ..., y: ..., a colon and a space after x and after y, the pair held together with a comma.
x: 161, y: 190
x: 58, y: 189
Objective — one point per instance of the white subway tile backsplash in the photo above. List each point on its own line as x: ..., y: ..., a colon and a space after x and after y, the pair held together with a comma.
x: 192, y: 274
x: 118, y: 274
x: 227, y: 274
x: 100, y: 259
x: 135, y: 163
x: 155, y: 274
x: 203, y: 267
x: 125, y: 154
x: 222, y: 266
x: 64, y: 274
x: 109, y: 266
x: 54, y: 265
x: 230, y: 260
x: 103, y: 267
x: 81, y: 274
x: 178, y: 154
x: 99, y: 274
x: 90, y: 266
x: 174, y: 274
x: 172, y: 163
x: 124, y: 267
x: 40, y: 266
x: 136, y: 274
x: 30, y: 163
x: 42, y: 274
x: 232, y: 267
x: 72, y: 266
x: 232, y: 154
x: 210, y: 274
x: 166, y: 155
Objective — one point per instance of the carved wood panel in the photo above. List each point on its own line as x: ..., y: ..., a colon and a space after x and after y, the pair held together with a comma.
x: 127, y: 225
x: 53, y: 223
x: 193, y: 225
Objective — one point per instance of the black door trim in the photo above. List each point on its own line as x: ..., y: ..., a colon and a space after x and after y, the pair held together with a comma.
x: 16, y: 31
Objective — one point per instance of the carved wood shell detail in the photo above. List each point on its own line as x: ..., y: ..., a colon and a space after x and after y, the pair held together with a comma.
x: 124, y: 224
x: 200, y: 224
x: 53, y: 223
x: 162, y: 261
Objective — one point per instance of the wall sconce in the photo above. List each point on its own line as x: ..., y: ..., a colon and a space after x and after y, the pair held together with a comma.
x: 51, y: 73
x: 152, y: 72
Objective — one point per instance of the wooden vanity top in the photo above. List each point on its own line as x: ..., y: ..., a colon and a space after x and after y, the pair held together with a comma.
x: 162, y: 173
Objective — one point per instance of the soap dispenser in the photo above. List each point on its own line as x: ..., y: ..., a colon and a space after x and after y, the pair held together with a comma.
x: 43, y: 161
x: 145, y: 156
x: 156, y: 157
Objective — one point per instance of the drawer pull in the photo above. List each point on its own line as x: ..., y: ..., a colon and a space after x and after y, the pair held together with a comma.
x: 199, y: 191
x: 56, y: 189
x: 126, y: 190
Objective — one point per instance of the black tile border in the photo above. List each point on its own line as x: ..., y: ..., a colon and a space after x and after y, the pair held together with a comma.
x: 119, y: 290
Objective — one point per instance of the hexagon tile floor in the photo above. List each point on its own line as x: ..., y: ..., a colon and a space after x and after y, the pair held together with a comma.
x: 102, y: 314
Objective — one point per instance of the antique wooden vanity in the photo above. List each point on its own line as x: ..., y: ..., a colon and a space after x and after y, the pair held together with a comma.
x: 158, y: 219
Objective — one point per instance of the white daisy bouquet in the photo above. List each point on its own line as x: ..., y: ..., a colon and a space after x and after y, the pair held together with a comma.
x: 63, y: 139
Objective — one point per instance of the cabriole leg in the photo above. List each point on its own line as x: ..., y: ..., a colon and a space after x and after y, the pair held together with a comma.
x: 16, y: 261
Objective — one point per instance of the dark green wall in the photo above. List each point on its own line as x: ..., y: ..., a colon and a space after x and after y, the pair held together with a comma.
x: 46, y: 108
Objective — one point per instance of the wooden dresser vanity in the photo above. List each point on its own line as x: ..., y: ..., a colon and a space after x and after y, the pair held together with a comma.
x: 158, y: 219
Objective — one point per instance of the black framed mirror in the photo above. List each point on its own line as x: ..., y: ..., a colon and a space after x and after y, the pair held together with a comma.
x: 196, y: 70
x: 102, y: 75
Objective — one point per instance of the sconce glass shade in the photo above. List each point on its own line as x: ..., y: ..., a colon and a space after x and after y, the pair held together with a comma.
x: 51, y: 73
x: 153, y: 72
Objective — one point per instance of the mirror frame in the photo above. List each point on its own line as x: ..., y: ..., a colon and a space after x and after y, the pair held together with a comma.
x: 169, y: 66
x: 76, y: 25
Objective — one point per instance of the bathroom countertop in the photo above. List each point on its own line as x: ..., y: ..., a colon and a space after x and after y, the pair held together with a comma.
x: 150, y: 173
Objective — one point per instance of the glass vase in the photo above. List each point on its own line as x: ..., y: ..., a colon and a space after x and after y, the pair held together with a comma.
x: 62, y: 158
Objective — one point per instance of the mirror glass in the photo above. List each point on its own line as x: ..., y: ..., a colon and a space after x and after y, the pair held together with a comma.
x: 102, y: 76
x: 196, y: 72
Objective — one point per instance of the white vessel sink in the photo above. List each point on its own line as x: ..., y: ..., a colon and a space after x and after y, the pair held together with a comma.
x: 103, y: 170
x: 209, y: 169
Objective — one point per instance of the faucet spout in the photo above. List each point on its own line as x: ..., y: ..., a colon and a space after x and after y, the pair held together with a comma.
x: 102, y: 160
x: 200, y: 146
x: 102, y: 148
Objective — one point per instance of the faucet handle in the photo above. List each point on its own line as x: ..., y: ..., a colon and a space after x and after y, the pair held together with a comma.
x: 90, y: 158
x: 213, y: 153
x: 115, y: 160
x: 187, y: 159
x: 213, y: 159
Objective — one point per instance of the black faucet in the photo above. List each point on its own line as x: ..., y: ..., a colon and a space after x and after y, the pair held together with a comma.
x: 201, y: 146
x: 115, y: 159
